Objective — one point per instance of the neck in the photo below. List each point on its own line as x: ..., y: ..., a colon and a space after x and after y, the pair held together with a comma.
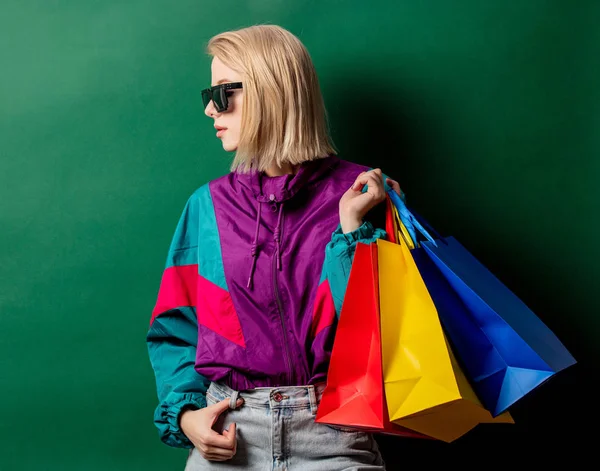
x: 277, y: 171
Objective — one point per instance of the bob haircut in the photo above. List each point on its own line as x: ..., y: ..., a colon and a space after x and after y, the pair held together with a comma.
x: 283, y: 116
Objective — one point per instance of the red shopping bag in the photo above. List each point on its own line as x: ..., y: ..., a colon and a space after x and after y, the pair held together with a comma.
x: 354, y: 395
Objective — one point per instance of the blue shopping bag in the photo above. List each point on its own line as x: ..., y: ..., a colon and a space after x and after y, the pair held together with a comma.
x: 505, y: 349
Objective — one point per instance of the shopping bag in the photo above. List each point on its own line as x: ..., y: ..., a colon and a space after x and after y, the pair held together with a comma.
x: 391, y: 222
x: 504, y: 348
x: 354, y: 395
x: 425, y: 388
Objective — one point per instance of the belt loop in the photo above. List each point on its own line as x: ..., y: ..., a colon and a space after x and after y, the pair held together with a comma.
x: 313, y: 400
x: 233, y: 399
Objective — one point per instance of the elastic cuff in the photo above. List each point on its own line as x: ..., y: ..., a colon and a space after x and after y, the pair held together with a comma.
x: 365, y: 231
x: 168, y: 419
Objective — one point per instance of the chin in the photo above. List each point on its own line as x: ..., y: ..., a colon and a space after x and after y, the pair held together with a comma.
x: 228, y: 147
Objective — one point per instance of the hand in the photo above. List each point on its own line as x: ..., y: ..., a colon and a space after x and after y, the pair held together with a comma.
x: 355, y: 204
x: 197, y: 426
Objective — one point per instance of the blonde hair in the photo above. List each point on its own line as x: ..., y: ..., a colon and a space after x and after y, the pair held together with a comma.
x: 283, y: 118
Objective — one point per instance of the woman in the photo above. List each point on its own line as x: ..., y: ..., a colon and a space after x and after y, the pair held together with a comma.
x: 241, y: 334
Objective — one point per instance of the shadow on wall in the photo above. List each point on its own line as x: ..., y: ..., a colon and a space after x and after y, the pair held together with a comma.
x: 387, y: 129
x: 375, y: 126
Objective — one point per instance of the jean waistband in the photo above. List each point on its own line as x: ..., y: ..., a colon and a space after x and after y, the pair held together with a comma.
x: 295, y: 397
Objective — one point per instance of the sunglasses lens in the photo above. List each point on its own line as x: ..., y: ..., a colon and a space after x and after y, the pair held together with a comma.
x: 218, y: 96
x: 206, y: 97
x: 220, y: 99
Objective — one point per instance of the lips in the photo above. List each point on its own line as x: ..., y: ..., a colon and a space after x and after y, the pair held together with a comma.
x: 220, y: 130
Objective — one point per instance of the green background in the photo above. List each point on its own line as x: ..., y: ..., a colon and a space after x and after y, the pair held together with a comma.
x: 487, y: 112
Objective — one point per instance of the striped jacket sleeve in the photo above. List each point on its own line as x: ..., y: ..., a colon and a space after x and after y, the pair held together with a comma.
x: 173, y: 333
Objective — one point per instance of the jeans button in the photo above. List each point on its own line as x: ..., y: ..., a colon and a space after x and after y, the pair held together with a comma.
x: 277, y: 397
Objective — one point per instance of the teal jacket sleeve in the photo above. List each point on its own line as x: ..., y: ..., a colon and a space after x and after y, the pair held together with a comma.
x: 173, y: 334
x: 172, y: 347
x: 339, y: 254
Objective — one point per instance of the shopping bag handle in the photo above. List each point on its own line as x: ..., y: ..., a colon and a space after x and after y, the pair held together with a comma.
x: 423, y: 221
x: 414, y: 220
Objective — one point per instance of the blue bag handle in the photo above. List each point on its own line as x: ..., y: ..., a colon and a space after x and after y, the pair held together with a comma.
x: 410, y: 220
x: 423, y: 221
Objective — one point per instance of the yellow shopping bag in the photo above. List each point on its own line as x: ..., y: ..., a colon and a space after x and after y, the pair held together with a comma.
x: 400, y: 228
x: 425, y: 388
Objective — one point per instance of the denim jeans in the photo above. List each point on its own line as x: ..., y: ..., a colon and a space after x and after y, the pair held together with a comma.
x: 276, y: 430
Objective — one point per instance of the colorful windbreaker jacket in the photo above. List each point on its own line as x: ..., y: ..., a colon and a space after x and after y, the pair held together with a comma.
x: 253, y: 285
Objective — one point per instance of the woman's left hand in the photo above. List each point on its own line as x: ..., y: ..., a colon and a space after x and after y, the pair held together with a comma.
x: 355, y: 204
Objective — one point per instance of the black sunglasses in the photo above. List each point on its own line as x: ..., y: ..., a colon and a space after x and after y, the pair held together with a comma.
x: 218, y: 95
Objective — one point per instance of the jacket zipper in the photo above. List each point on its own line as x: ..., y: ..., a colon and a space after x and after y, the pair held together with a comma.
x: 280, y: 310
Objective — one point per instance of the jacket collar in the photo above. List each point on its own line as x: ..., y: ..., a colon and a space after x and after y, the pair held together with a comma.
x: 281, y: 188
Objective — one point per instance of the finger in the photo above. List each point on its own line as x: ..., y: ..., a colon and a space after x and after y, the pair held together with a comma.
x: 217, y: 459
x: 364, y: 178
x: 220, y: 452
x: 378, y: 173
x: 395, y: 185
x: 231, y: 435
x: 206, y: 450
x: 377, y: 176
x: 375, y: 185
x: 226, y: 433
x: 214, y: 439
x: 212, y: 456
x: 356, y: 185
x: 210, y: 453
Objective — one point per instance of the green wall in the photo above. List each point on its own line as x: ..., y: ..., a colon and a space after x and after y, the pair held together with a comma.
x: 487, y: 112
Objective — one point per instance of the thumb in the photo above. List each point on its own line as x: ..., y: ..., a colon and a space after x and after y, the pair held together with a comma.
x: 395, y: 186
x: 239, y: 402
x: 220, y: 407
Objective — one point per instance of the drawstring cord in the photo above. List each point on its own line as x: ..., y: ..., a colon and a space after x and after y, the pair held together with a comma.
x: 276, y: 236
x: 254, y: 248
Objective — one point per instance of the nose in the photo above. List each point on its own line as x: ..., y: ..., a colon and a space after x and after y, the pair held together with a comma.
x: 210, y: 109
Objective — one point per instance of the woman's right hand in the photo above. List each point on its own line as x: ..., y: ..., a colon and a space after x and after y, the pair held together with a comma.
x: 197, y: 426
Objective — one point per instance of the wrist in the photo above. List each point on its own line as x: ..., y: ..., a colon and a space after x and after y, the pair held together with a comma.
x: 350, y: 224
x: 184, y: 416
